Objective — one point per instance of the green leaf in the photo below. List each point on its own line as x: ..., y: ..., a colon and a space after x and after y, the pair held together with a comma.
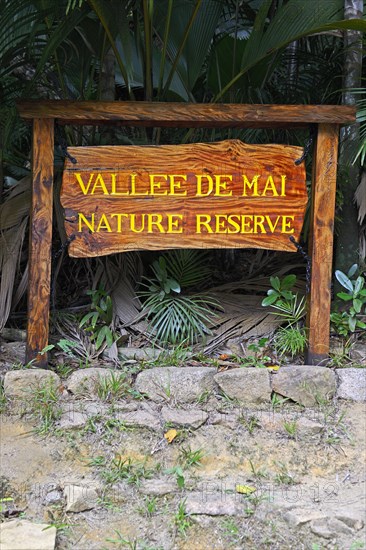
x: 288, y: 282
x: 288, y: 294
x: 86, y: 318
x: 360, y: 281
x: 269, y: 300
x: 357, y: 304
x: 352, y: 270
x: 275, y: 282
x: 344, y: 280
x: 174, y: 285
x: 100, y: 337
x: 344, y: 296
x: 352, y: 323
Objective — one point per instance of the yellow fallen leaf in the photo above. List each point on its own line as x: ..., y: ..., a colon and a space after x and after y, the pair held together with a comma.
x: 273, y: 367
x: 170, y: 435
x: 245, y: 489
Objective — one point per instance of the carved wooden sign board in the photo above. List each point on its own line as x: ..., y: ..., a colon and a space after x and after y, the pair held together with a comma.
x: 213, y: 195
x: 217, y: 195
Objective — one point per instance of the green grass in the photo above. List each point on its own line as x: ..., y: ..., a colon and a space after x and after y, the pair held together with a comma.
x: 189, y: 458
x: 182, y: 520
x: 118, y: 469
x: 44, y: 401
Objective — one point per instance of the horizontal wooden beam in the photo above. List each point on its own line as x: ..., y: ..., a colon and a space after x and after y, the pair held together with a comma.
x: 190, y: 115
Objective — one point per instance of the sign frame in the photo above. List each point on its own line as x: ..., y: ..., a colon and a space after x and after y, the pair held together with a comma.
x: 326, y: 118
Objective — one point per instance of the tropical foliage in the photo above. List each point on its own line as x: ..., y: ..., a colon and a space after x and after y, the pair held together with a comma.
x: 262, y: 51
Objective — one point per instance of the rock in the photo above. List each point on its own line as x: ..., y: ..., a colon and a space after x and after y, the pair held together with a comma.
x: 213, y: 504
x: 353, y: 521
x: 329, y: 527
x: 19, y: 383
x: 14, y: 335
x: 300, y: 516
x: 179, y: 384
x: 21, y: 534
x: 358, y: 353
x: 305, y: 384
x: 75, y: 415
x: 247, y: 385
x: 80, y: 497
x: 185, y: 418
x: 308, y: 427
x: 139, y: 419
x: 85, y: 382
x: 275, y: 422
x: 227, y: 420
x: 158, y: 487
x: 72, y: 419
x: 140, y: 354
x: 352, y: 384
x: 53, y: 497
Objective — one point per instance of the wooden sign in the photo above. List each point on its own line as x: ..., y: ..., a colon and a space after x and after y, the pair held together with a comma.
x: 263, y: 213
x: 218, y: 195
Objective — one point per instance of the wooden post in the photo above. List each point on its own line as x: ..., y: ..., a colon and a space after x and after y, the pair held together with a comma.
x: 321, y: 241
x: 40, y: 239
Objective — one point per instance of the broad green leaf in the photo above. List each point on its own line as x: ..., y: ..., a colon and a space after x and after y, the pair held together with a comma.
x: 269, y: 300
x: 344, y: 296
x: 358, y: 285
x: 357, y: 304
x: 352, y: 270
x: 344, y: 280
x: 288, y: 282
x: 275, y: 282
x: 352, y: 323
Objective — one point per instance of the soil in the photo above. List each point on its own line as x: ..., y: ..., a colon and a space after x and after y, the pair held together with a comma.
x: 309, y: 483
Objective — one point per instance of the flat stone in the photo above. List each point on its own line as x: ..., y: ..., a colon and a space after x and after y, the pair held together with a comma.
x: 227, y: 420
x: 72, y: 419
x: 80, y: 497
x: 329, y: 527
x: 213, y: 504
x: 85, y: 381
x: 300, y: 516
x: 20, y: 534
x: 352, y: 384
x: 179, y: 384
x: 353, y: 521
x: 19, y: 383
x: 139, y: 354
x: 305, y: 384
x: 247, y: 385
x: 75, y: 415
x: 275, y: 422
x: 158, y: 487
x: 309, y: 427
x: 185, y: 418
x: 139, y: 419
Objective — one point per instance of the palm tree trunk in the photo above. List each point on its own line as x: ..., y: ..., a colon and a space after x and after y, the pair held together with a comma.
x: 348, y: 229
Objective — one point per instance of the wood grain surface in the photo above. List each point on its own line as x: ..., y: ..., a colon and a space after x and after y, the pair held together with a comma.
x: 321, y: 241
x: 39, y: 274
x: 195, y: 221
x: 193, y: 115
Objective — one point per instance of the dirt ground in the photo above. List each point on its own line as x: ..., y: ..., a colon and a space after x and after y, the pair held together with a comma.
x: 279, y: 477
